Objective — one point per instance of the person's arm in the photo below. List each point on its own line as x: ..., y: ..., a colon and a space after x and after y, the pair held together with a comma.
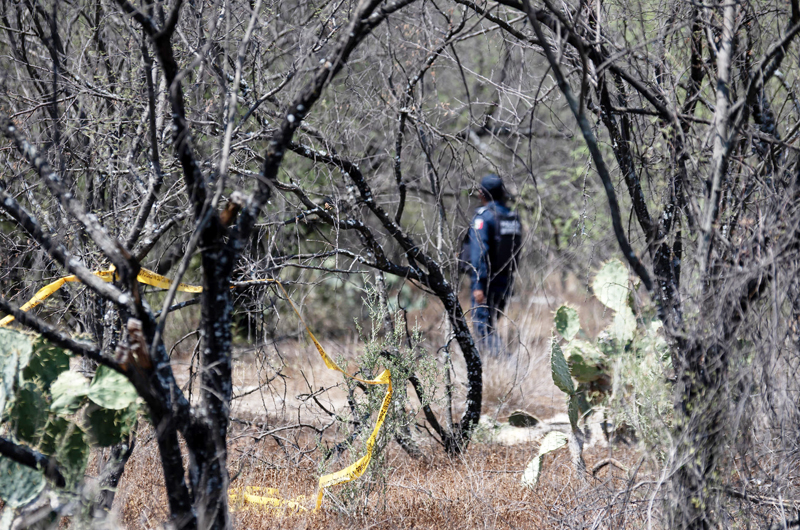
x: 479, y: 257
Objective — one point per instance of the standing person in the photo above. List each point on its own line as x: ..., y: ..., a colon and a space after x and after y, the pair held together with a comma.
x: 495, y: 239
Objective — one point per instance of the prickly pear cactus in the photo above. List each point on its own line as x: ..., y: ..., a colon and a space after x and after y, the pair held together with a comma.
x: 589, y: 364
x: 15, y: 348
x: 55, y: 411
x: 68, y: 392
x: 560, y: 370
x: 553, y: 441
x: 567, y: 322
x: 610, y: 286
x: 19, y: 484
x: 111, y: 390
x: 46, y: 362
x: 574, y: 360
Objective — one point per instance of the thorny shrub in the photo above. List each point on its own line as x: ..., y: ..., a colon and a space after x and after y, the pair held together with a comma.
x: 388, y: 344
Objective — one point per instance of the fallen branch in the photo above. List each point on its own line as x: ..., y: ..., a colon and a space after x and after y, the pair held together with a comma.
x: 608, y: 462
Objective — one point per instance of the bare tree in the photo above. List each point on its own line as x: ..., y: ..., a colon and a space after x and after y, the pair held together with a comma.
x: 218, y: 236
x: 715, y: 198
x: 282, y: 137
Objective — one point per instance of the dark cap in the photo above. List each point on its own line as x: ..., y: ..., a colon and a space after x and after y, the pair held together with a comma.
x: 492, y: 187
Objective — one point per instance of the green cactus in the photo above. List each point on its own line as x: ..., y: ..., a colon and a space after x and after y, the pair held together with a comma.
x: 610, y: 285
x: 46, y: 362
x: 553, y: 441
x: 586, y: 363
x: 567, y: 322
x: 19, y: 484
x: 111, y: 390
x: 67, y: 442
x: 590, y: 364
x: 27, y: 412
x: 561, y: 374
x: 57, y: 412
x: 16, y: 351
x: 563, y: 380
x: 68, y: 392
x: 109, y: 427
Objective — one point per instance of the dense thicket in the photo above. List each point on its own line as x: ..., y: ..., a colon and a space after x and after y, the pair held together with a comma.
x: 222, y: 141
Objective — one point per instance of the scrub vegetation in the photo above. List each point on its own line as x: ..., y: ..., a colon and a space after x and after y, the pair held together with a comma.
x: 161, y: 159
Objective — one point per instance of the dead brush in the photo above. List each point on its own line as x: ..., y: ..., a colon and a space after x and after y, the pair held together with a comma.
x: 479, y: 489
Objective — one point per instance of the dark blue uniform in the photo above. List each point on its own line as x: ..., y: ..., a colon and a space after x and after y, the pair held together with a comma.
x: 495, y: 238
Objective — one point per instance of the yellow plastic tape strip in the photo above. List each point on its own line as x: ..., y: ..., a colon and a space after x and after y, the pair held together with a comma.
x: 264, y: 499
x: 162, y: 282
x: 357, y: 469
x: 347, y: 474
x: 40, y: 296
x: 145, y: 276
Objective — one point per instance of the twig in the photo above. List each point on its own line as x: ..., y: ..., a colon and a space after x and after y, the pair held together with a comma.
x: 58, y: 252
x: 112, y: 248
x: 758, y: 499
x: 32, y: 459
x: 263, y: 434
x: 86, y: 349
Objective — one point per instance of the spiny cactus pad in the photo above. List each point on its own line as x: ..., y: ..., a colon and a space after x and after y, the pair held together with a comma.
x: 15, y: 350
x: 111, y: 390
x: 624, y: 326
x: 560, y: 369
x: 610, y: 286
x: 552, y: 442
x: 567, y: 322
x: 19, y: 484
x: 68, y: 392
x: 46, y: 363
x: 586, y: 362
x: 56, y: 411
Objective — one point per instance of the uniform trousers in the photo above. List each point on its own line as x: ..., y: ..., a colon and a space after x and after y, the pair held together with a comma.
x: 484, y: 316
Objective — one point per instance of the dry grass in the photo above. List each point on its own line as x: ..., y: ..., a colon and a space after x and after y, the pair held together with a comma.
x: 479, y: 489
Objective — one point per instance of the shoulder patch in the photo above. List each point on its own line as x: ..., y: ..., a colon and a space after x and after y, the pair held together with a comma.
x: 478, y: 224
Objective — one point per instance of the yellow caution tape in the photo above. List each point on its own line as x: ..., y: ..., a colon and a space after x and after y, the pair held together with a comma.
x: 263, y: 499
x: 357, y: 469
x: 162, y: 282
x: 145, y: 276
x: 248, y: 495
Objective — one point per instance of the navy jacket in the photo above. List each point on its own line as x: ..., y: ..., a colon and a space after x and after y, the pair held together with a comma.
x: 481, y: 245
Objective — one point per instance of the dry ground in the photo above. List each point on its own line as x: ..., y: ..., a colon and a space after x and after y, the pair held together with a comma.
x: 479, y: 489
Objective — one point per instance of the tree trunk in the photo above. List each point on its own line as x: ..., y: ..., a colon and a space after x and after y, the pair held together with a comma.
x: 701, y: 401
